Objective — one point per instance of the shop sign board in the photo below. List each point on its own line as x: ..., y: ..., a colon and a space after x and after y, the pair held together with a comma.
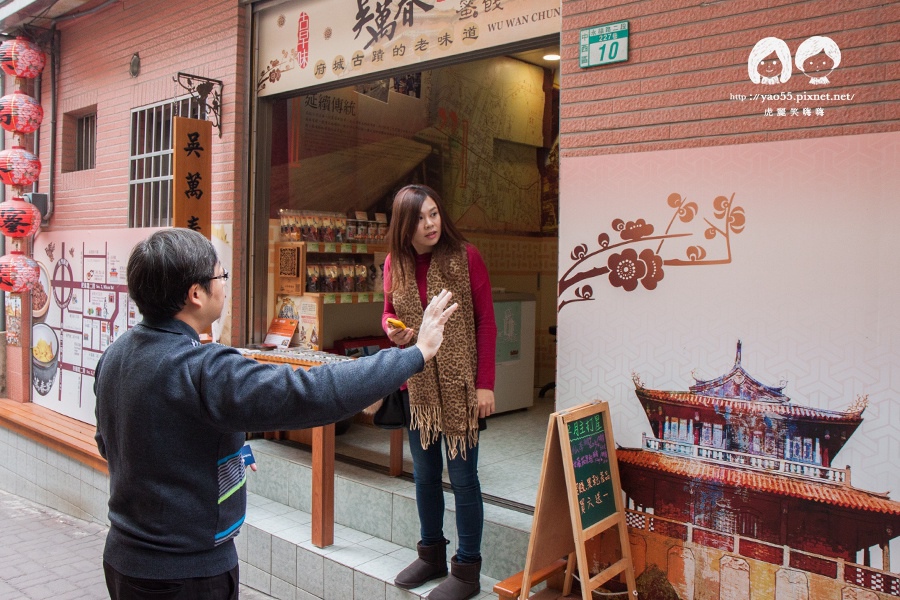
x: 603, y: 44
x: 580, y: 480
x: 304, y: 43
x: 192, y: 175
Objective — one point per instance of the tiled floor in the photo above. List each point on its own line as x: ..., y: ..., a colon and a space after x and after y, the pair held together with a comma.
x: 278, y: 557
x: 510, y: 455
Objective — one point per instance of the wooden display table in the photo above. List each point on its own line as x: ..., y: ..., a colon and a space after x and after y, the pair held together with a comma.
x: 321, y: 439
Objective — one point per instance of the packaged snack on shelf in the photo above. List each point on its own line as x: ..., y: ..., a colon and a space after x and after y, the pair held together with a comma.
x: 328, y: 233
x: 362, y: 277
x: 331, y: 278
x: 313, y: 277
x: 310, y: 230
x: 348, y: 277
x: 340, y: 228
x: 372, y: 235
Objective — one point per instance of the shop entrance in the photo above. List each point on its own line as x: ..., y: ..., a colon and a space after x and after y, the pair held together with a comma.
x: 484, y: 134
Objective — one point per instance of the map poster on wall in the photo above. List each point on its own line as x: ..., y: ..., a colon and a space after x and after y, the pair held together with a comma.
x: 86, y: 308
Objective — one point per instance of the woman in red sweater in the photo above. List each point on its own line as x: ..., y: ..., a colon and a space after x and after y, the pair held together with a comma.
x: 455, y: 391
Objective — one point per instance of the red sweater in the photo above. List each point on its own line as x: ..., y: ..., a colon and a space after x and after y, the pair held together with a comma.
x: 482, y: 305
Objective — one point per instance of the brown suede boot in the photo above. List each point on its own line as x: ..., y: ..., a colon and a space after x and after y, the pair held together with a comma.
x: 464, y: 582
x: 431, y: 564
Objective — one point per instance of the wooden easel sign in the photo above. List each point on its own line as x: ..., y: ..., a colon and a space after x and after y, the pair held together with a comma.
x: 579, y: 478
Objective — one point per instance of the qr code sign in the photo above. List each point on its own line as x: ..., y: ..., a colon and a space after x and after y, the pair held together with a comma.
x: 288, y: 262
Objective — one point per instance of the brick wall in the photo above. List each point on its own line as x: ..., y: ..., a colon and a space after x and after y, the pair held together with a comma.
x: 201, y: 37
x: 687, y: 59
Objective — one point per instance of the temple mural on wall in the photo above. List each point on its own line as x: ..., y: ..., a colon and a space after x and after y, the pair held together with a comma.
x: 753, y: 399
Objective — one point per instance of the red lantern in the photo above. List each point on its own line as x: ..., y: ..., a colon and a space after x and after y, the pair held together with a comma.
x: 21, y: 58
x: 20, y: 113
x: 19, y: 218
x: 18, y: 273
x: 19, y: 167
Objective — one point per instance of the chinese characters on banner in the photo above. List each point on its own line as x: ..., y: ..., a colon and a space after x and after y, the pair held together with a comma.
x: 192, y: 175
x: 308, y: 42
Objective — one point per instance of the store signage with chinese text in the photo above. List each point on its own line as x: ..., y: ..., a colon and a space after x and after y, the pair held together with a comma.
x: 192, y: 175
x: 307, y: 43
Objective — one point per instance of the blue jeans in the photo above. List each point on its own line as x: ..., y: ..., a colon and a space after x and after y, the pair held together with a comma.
x: 428, y: 467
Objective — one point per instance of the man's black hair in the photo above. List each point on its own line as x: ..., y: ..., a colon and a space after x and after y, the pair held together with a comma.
x: 163, y: 267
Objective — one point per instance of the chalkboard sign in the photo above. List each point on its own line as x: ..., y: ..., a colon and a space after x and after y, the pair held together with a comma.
x: 590, y: 461
x: 579, y: 477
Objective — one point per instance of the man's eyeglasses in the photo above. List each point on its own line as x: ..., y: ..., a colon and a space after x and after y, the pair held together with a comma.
x: 223, y: 276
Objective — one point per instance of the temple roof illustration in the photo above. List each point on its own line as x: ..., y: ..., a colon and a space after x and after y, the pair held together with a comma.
x: 778, y: 484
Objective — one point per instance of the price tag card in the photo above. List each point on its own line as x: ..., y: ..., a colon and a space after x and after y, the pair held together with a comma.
x: 329, y: 299
x: 346, y: 298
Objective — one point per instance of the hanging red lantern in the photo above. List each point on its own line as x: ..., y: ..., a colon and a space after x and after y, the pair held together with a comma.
x: 20, y: 113
x: 18, y: 273
x: 19, y: 218
x: 19, y: 167
x: 21, y: 58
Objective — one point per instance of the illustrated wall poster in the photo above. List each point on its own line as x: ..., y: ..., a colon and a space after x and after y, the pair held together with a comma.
x: 87, y: 308
x: 736, y: 304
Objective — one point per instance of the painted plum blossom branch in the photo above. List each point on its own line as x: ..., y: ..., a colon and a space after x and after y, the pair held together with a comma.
x: 628, y: 268
x: 276, y: 67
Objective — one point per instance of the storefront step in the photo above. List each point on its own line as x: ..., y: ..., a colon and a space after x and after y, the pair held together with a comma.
x: 370, y: 505
x: 278, y: 558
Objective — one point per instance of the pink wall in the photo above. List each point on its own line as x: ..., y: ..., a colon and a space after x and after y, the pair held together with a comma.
x: 201, y: 37
x: 803, y: 276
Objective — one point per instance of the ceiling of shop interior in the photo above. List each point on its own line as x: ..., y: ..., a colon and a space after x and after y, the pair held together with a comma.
x: 536, y: 57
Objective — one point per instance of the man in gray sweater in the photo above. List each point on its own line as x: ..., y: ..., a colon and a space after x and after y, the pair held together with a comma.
x: 172, y: 416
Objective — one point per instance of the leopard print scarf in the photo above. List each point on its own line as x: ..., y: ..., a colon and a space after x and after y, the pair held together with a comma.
x: 442, y: 397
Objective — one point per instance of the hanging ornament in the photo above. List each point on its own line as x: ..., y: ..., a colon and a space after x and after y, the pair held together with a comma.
x: 18, y: 273
x: 19, y: 167
x: 20, y: 113
x: 19, y: 218
x: 21, y: 58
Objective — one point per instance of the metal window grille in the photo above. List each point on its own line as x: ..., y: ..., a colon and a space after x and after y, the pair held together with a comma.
x: 86, y: 142
x: 150, y: 172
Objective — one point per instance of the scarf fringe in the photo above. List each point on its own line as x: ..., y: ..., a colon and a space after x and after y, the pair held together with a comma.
x: 427, y: 418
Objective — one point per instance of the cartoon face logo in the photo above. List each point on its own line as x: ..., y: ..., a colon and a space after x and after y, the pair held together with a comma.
x: 817, y: 57
x: 770, y: 61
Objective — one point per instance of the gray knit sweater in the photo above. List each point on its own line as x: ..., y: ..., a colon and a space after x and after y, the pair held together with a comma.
x: 171, y: 419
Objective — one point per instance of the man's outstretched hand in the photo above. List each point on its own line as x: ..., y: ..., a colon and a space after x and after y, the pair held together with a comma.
x: 431, y: 331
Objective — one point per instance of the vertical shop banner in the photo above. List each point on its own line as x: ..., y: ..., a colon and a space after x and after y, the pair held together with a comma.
x: 192, y: 175
x: 309, y: 42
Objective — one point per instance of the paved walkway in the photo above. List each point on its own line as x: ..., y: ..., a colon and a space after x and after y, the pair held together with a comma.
x: 47, y: 554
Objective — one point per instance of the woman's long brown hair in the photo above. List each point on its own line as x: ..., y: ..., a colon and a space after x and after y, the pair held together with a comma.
x: 405, y: 214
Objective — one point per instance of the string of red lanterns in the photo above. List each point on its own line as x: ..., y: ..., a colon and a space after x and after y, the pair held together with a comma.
x: 20, y: 114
